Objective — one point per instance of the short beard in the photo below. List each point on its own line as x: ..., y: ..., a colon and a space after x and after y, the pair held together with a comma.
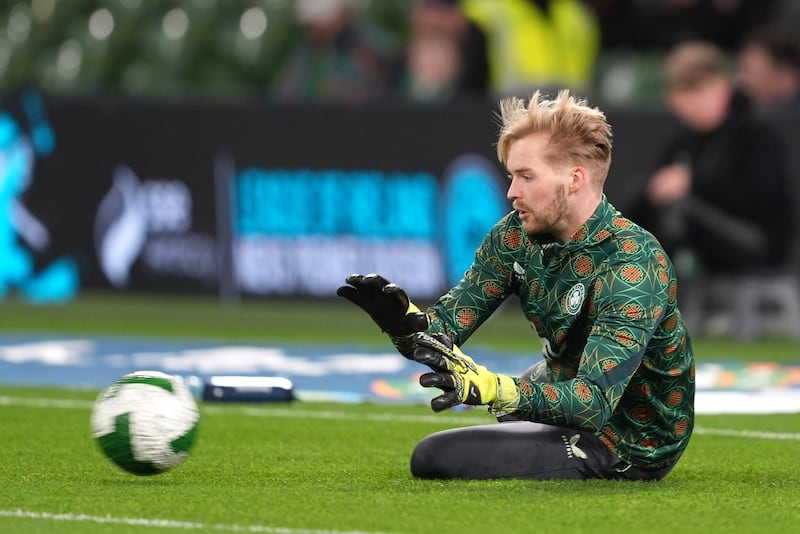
x: 551, y: 217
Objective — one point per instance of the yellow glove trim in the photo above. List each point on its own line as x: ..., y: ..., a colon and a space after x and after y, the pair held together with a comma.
x: 489, y: 384
x: 507, y: 397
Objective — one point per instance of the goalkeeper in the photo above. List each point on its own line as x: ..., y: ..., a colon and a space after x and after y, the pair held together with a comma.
x: 613, y: 396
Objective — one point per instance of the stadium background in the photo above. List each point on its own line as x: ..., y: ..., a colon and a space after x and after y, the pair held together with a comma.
x: 149, y: 166
x: 157, y: 165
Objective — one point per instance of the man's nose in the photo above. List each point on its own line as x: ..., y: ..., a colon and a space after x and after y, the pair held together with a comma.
x: 512, y: 191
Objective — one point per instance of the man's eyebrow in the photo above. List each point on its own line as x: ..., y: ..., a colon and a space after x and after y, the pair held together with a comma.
x: 519, y: 170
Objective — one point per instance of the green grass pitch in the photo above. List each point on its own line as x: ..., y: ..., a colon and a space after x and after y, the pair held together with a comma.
x: 336, y: 468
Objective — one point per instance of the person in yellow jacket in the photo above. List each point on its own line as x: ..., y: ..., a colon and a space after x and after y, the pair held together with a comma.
x: 537, y: 44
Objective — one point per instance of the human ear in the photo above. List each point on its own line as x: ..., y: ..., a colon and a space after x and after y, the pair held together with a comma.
x: 577, y: 178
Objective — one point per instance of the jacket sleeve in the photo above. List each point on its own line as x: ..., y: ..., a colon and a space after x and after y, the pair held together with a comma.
x: 485, y: 285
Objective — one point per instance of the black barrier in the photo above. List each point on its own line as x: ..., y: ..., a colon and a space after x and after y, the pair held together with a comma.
x: 249, y: 198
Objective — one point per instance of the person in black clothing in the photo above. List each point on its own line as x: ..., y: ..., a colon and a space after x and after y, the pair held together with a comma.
x: 768, y: 66
x: 721, y: 200
x: 337, y: 56
x: 445, y: 57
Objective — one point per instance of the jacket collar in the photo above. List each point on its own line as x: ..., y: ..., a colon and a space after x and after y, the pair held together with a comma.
x: 596, y: 229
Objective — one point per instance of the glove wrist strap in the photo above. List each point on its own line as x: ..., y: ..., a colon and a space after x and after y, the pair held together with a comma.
x: 507, y: 397
x: 404, y: 344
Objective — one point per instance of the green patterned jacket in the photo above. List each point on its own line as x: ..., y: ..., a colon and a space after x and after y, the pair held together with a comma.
x: 618, y: 358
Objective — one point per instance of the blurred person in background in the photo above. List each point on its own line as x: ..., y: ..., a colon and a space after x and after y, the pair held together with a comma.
x: 537, y: 44
x: 768, y: 68
x: 636, y: 34
x: 445, y: 55
x: 662, y: 24
x: 337, y: 56
x: 721, y: 199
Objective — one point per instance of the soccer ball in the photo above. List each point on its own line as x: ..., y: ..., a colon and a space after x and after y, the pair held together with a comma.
x: 145, y: 422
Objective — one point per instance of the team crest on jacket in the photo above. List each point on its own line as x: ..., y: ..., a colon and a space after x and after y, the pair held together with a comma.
x: 575, y: 298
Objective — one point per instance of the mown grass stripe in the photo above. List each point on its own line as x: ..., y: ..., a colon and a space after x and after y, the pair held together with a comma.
x: 757, y: 434
x: 345, y: 416
x: 167, y: 523
x: 375, y: 417
x: 32, y: 402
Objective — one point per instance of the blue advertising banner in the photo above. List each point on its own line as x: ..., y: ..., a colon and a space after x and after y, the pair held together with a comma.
x: 256, y: 200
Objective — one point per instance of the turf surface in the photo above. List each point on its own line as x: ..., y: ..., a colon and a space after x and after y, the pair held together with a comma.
x: 332, y: 321
x: 311, y: 467
x: 340, y: 468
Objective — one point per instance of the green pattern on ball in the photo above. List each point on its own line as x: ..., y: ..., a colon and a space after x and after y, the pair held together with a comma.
x: 184, y: 443
x: 163, y: 383
x: 117, y: 446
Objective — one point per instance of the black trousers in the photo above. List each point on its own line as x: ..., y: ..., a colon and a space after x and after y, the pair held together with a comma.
x: 520, y: 449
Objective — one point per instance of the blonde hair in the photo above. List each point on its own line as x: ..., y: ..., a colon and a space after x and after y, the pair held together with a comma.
x: 579, y: 134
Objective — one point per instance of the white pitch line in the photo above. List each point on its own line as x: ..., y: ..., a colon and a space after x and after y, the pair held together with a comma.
x: 756, y: 434
x: 32, y: 402
x: 168, y: 523
x: 343, y: 416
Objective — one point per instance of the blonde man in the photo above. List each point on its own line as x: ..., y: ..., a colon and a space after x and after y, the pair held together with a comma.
x: 613, y: 396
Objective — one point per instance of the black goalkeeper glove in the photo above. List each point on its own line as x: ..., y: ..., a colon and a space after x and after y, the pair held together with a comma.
x: 389, y: 307
x: 461, y: 379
